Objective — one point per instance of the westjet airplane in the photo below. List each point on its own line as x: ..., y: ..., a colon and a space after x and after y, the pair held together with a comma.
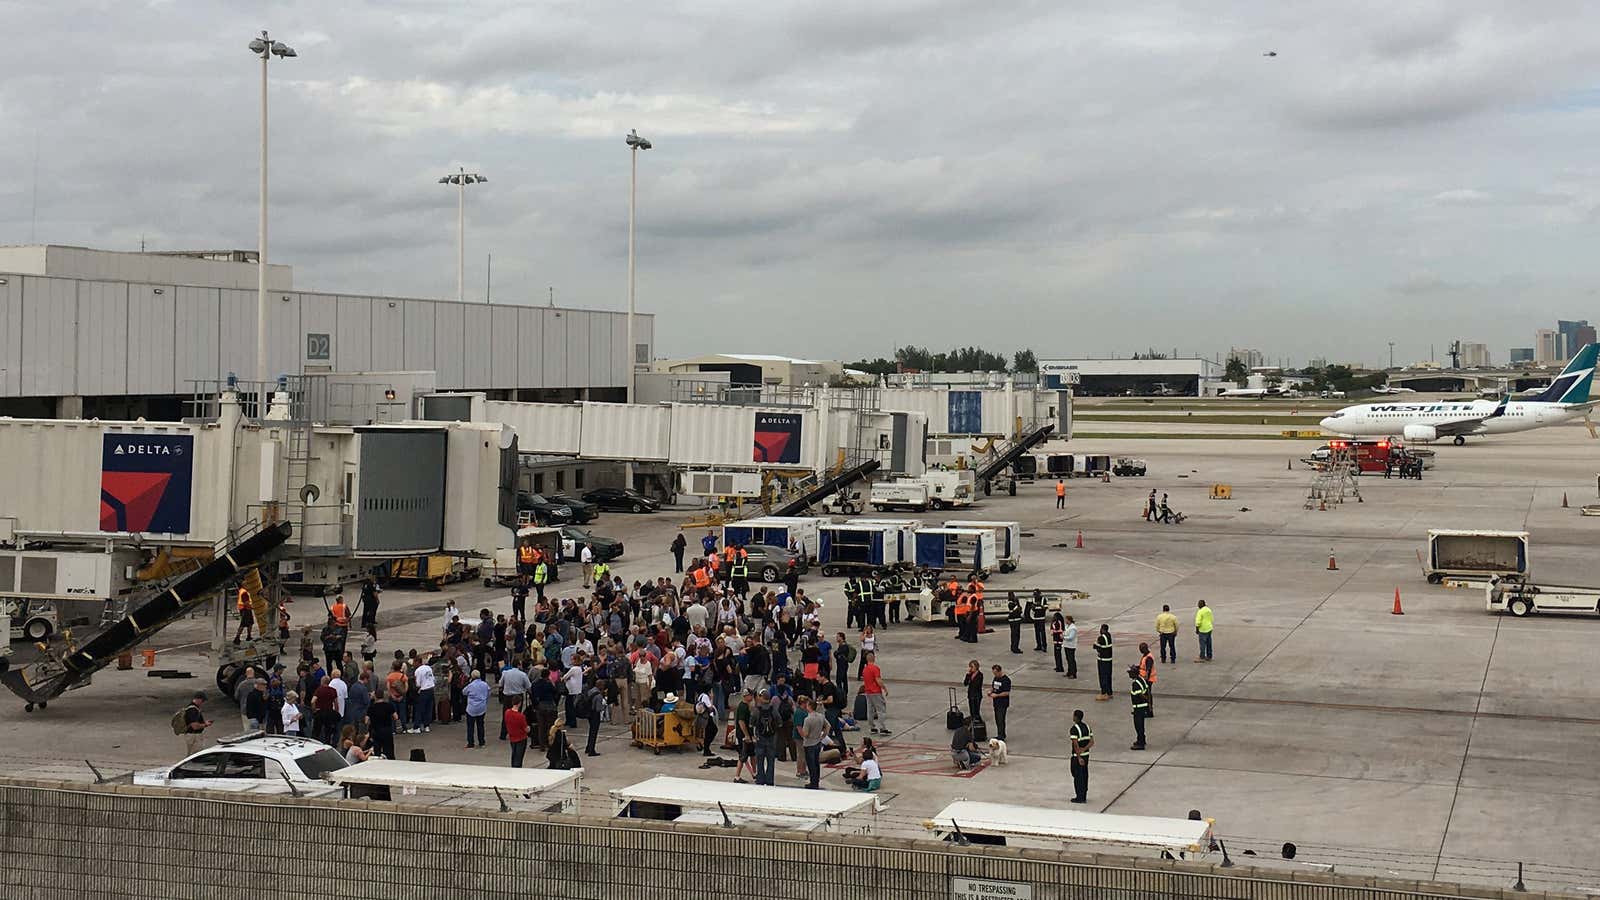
x: 1565, y: 400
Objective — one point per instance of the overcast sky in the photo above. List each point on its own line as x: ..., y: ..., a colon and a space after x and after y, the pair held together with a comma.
x: 834, y: 179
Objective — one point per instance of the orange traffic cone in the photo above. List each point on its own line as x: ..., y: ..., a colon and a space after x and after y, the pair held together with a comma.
x: 1080, y: 538
x: 1397, y: 610
x: 1332, y: 565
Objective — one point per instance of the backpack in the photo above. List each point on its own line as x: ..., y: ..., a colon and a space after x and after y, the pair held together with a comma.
x: 846, y: 652
x: 766, y: 722
x: 180, y: 721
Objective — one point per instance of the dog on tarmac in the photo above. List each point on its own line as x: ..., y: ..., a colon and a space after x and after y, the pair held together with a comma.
x: 997, y: 751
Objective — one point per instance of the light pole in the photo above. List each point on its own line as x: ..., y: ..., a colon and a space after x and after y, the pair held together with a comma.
x: 461, y: 178
x: 1391, y: 354
x: 266, y: 48
x: 635, y: 144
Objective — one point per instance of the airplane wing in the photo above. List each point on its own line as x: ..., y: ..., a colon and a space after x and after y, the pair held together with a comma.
x: 1470, y: 424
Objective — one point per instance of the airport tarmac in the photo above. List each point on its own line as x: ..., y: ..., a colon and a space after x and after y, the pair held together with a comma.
x: 1446, y: 743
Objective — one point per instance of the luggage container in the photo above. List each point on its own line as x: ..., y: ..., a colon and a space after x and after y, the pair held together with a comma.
x: 1475, y: 554
x: 696, y: 801
x: 458, y: 785
x: 1007, y: 540
x: 1059, y: 465
x: 863, y: 546
x: 967, y: 550
x: 502, y: 570
x: 777, y: 531
x: 1094, y: 464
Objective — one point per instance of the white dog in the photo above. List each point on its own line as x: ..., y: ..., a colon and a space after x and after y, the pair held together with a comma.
x: 997, y: 751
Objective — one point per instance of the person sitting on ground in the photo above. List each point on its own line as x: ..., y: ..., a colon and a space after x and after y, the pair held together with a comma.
x: 963, y: 751
x: 869, y: 777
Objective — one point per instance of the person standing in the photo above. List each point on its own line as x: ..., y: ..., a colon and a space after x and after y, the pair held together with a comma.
x: 812, y: 731
x: 1014, y: 617
x: 1139, y: 693
x: 1147, y: 671
x: 1061, y: 493
x: 1036, y: 614
x: 744, y: 731
x: 516, y: 728
x: 477, y: 696
x: 382, y: 720
x: 973, y: 681
x: 1202, y: 629
x: 195, y: 724
x: 1167, y: 633
x: 291, y: 714
x: 594, y: 704
x: 424, y: 678
x: 767, y: 729
x: 677, y: 548
x: 1058, y: 630
x: 843, y: 656
x: 586, y: 558
x: 1103, y: 654
x: 1000, y: 697
x: 877, y: 695
x: 1069, y: 645
x: 514, y: 687
x: 325, y: 713
x: 1082, y: 738
x: 369, y: 604
x: 1150, y: 514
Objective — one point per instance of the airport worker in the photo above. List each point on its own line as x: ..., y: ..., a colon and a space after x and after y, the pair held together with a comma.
x: 525, y: 559
x: 340, y: 612
x: 1082, y: 738
x: 708, y: 544
x: 1150, y: 507
x: 1036, y: 615
x: 1167, y: 634
x: 1058, y: 631
x: 1069, y: 644
x: 1139, y: 694
x: 1103, y: 656
x: 247, y: 618
x: 1147, y: 671
x: 541, y: 577
x: 1014, y: 617
x: 1061, y: 493
x: 1202, y: 629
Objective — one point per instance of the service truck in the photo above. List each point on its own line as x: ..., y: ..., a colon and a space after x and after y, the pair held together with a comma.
x: 899, y: 494
x: 1520, y: 597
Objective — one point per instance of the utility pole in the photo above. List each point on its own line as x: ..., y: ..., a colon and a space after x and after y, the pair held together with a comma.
x: 1391, y: 354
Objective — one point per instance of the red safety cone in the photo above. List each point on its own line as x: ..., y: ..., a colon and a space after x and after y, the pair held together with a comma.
x: 1397, y: 610
x: 1080, y: 538
x: 1332, y: 565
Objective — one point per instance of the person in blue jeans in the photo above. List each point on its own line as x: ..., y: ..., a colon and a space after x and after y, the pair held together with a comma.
x: 424, y: 710
x: 477, y: 696
x: 767, y: 729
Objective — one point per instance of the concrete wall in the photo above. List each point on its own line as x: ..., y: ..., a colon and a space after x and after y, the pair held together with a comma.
x: 75, y: 841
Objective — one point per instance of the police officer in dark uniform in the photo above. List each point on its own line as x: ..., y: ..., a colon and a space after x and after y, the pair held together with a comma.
x: 852, y: 597
x: 1102, y: 653
x: 1014, y: 617
x: 874, y: 601
x: 1082, y: 739
x: 1036, y: 615
x: 1139, y: 692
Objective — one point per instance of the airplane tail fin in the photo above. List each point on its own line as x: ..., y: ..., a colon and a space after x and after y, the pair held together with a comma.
x: 1575, y: 381
x: 1500, y: 408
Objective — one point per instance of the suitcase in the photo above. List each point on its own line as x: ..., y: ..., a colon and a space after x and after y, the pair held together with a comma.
x: 861, y: 707
x: 954, y: 717
x: 980, y: 731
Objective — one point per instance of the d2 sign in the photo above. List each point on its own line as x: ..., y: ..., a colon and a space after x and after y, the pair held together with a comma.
x: 986, y: 889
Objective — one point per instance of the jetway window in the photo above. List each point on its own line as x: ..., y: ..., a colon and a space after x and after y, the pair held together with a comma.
x: 561, y: 480
x: 577, y: 479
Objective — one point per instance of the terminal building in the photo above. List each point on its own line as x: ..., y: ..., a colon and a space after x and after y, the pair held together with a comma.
x: 99, y: 334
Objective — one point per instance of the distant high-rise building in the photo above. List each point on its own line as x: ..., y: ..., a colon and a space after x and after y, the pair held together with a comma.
x: 1571, y: 338
x: 1547, y: 346
x: 1581, y: 336
x: 1474, y: 355
x: 1520, y: 355
x: 1250, y: 358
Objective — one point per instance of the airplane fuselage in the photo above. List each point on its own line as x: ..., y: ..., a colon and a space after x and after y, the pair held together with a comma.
x: 1391, y: 419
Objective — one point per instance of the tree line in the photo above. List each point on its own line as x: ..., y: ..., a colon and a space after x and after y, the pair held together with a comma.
x: 962, y: 359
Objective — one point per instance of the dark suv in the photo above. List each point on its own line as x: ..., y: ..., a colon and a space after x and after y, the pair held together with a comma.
x: 621, y: 500
x: 582, y: 513
x: 545, y: 511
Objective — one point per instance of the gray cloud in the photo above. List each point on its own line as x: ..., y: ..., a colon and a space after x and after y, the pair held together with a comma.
x: 1075, y: 177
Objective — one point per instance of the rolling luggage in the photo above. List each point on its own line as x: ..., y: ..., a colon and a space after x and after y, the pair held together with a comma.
x: 954, y: 717
x: 980, y: 731
x: 861, y: 707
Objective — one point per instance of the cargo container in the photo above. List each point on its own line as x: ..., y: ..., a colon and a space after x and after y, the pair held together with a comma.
x: 1475, y: 554
x: 554, y: 429
x: 625, y: 431
x: 804, y: 531
x: 864, y: 546
x: 1059, y: 465
x: 958, y: 550
x: 1007, y: 540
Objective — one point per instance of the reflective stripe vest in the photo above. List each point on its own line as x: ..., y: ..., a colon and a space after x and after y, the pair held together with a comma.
x: 1140, y: 691
x: 1081, y: 734
x: 702, y: 578
x: 1147, y: 667
x: 525, y: 554
x: 866, y: 589
x: 976, y: 587
x: 541, y: 574
x: 1014, y: 610
x: 601, y: 570
x: 963, y: 604
x: 340, y: 613
x: 1102, y: 647
x: 739, y: 570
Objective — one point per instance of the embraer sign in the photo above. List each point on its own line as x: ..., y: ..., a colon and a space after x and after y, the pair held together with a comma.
x: 1067, y: 373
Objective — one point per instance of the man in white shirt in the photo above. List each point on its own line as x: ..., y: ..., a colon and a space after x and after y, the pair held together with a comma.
x: 697, y: 614
x: 573, y: 682
x: 586, y: 556
x: 423, y: 718
x: 341, y: 688
x: 450, y: 614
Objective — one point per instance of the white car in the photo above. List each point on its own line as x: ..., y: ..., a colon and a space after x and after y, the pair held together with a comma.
x: 256, y: 763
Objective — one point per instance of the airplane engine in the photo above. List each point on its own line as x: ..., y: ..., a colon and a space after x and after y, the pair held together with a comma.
x: 1422, y: 434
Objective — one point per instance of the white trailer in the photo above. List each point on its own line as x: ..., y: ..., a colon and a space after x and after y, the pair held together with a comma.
x: 904, y: 493
x: 668, y: 799
x: 949, y: 488
x: 451, y: 784
x: 1007, y: 539
x: 801, y: 532
x: 1070, y: 829
x: 961, y: 550
x: 1521, y: 598
x: 1475, y: 554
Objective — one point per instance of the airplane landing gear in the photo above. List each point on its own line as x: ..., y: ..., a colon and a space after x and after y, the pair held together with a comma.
x: 1460, y: 440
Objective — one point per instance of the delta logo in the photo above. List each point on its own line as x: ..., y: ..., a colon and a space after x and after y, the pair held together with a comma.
x: 146, y: 483
x: 147, y: 450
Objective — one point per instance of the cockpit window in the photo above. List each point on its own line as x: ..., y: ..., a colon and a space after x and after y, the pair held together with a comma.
x: 1336, y: 415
